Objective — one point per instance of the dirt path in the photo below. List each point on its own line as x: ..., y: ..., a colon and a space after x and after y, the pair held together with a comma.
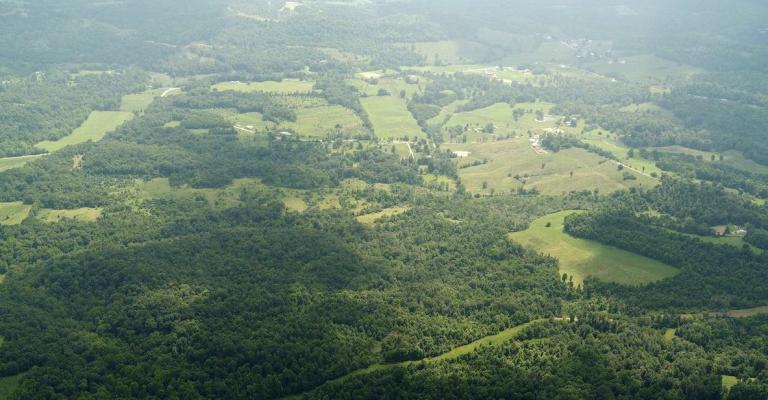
x: 499, y: 338
x: 631, y: 169
x: 169, y: 91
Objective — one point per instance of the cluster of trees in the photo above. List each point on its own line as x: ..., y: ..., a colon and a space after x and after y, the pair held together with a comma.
x: 712, y: 275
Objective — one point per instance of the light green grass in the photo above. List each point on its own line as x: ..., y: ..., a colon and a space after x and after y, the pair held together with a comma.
x: 296, y: 204
x: 286, y: 86
x: 510, y: 158
x: 138, y: 102
x: 16, y: 162
x: 98, y: 124
x: 390, y: 118
x: 13, y: 213
x: 80, y: 214
x: 228, y: 196
x: 732, y: 157
x: 669, y: 334
x: 493, y: 340
x: 319, y: 121
x: 621, y: 151
x: 581, y: 258
x: 729, y: 381
x: 8, y: 384
x: 371, y: 218
x: 500, y: 115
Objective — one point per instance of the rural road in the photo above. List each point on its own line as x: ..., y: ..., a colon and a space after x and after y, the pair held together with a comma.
x: 169, y: 91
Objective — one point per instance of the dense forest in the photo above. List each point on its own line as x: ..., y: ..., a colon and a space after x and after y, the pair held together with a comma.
x: 230, y: 199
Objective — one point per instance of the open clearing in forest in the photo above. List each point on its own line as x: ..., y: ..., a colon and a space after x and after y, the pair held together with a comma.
x: 512, y: 164
x: 98, y: 124
x: 371, y: 218
x: 390, y: 118
x: 16, y: 162
x: 747, y: 312
x: 286, y: 86
x: 319, y: 121
x: 138, y: 102
x: 729, y: 381
x: 581, y: 258
x: 13, y: 213
x: 80, y: 214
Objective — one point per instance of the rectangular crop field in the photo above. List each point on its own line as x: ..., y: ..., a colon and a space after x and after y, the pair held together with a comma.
x: 582, y: 258
x: 390, y: 118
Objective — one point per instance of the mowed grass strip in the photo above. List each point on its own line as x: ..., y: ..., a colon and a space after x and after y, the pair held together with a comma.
x: 98, y: 124
x: 581, y: 258
x: 16, y: 162
x: 286, y: 86
x: 390, y: 118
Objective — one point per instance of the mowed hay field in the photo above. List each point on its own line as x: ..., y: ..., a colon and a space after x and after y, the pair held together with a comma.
x: 500, y: 115
x: 317, y: 121
x: 512, y: 162
x: 390, y: 118
x: 286, y: 86
x: 582, y: 258
x: 98, y: 124
x: 13, y: 213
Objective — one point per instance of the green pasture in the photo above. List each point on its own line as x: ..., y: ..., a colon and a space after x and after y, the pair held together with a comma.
x: 511, y: 164
x: 390, y: 118
x: 98, y: 124
x: 581, y: 258
x: 16, y: 162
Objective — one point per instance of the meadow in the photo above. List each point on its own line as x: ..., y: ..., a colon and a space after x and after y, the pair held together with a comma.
x: 79, y: 214
x: 501, y: 116
x: 138, y: 102
x: 286, y: 86
x: 98, y: 124
x: 581, y: 258
x: 390, y: 118
x: 313, y: 121
x: 16, y: 162
x: 13, y: 213
x: 505, y: 165
x: 387, y: 212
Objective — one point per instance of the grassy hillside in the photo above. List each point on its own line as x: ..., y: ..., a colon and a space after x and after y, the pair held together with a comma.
x: 582, y: 258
